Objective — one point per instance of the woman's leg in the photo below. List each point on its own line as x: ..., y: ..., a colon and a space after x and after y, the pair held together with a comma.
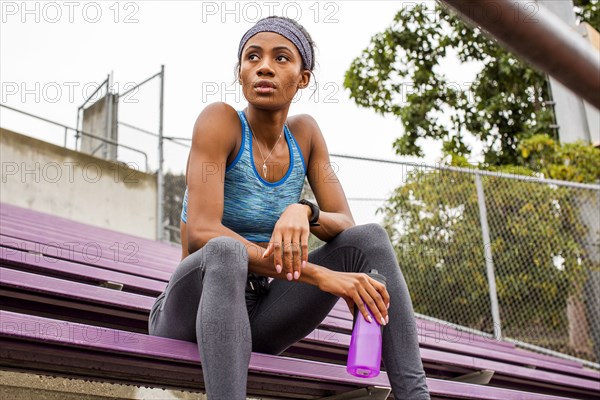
x: 292, y: 310
x: 204, y: 302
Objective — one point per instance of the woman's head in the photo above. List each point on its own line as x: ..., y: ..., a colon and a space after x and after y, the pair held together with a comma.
x: 277, y: 54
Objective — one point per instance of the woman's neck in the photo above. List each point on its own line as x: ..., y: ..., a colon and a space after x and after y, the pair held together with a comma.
x: 267, y: 125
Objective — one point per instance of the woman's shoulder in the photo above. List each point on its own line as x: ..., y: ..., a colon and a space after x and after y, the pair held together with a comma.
x: 303, y: 122
x: 215, y: 132
x: 304, y: 127
x: 218, y: 123
x: 220, y: 114
x: 306, y: 131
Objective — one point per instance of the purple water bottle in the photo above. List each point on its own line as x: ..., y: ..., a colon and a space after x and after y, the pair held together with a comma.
x: 364, y: 355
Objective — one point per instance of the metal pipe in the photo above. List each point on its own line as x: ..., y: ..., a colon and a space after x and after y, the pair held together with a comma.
x: 541, y: 38
x: 108, y: 130
x: 475, y: 170
x: 171, y: 138
x: 138, y: 85
x: 147, y: 167
x: 489, y: 262
x: 77, y: 128
x: 160, y: 178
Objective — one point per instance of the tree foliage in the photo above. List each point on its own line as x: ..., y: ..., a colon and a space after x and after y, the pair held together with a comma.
x: 539, y: 241
x: 401, y: 74
x: 540, y: 234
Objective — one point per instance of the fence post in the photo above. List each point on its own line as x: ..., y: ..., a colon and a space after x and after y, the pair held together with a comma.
x: 489, y: 262
x: 159, y: 174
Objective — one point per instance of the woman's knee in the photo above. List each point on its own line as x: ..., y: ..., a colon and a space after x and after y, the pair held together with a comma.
x: 226, y: 255
x: 371, y: 233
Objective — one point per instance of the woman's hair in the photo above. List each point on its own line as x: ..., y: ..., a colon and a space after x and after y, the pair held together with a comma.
x: 300, y: 28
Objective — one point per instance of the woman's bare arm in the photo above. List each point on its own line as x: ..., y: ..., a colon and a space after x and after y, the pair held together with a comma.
x: 212, y: 141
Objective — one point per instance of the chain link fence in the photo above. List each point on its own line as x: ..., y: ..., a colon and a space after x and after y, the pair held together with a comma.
x: 512, y: 256
x: 509, y: 255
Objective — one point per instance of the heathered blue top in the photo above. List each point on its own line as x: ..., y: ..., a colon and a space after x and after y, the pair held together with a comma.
x: 253, y: 205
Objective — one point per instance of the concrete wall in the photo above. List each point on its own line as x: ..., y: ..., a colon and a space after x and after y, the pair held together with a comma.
x: 55, y: 180
x: 25, y: 386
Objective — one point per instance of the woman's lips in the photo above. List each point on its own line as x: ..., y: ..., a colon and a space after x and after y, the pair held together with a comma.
x: 264, y: 89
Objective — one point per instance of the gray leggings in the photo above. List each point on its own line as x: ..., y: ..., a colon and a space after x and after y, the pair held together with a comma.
x: 205, y: 302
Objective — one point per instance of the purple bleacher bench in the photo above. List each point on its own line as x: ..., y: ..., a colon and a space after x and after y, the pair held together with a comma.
x: 69, y: 312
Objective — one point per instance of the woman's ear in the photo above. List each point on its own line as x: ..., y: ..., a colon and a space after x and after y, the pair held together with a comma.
x: 304, y: 79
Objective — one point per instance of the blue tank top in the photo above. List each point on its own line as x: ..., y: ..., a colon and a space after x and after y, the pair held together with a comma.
x: 253, y: 205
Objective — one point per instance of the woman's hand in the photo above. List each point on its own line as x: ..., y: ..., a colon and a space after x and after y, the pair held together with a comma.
x: 359, y: 289
x: 290, y: 235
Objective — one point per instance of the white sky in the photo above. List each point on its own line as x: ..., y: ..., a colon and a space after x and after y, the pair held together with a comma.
x: 45, y: 66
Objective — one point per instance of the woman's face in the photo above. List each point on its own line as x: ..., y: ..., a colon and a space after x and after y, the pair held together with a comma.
x: 271, y: 70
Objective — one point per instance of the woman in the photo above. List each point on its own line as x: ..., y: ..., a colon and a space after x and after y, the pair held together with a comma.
x: 242, y: 222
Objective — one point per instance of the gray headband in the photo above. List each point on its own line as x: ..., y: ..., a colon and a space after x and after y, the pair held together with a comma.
x: 285, y: 29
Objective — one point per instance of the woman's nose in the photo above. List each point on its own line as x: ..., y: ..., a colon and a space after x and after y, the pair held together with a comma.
x: 264, y: 67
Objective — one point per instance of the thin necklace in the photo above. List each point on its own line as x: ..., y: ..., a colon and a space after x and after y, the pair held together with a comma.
x: 264, y: 166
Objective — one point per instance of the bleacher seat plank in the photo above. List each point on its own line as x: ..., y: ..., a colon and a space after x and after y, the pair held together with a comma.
x: 63, y: 292
x: 17, y: 331
x: 444, y: 357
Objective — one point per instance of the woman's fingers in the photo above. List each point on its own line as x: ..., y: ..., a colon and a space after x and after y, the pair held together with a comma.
x: 288, y: 257
x: 382, y: 289
x: 304, y: 248
x: 376, y: 303
x: 295, y: 247
x: 290, y: 249
x: 361, y: 305
x: 370, y: 297
x: 276, y: 244
x: 269, y: 249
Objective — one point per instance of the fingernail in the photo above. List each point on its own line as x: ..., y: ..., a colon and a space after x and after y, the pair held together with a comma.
x: 296, y: 274
x: 387, y: 319
x: 278, y: 268
x: 369, y: 318
x: 265, y: 252
x: 289, y: 276
x: 303, y: 264
x: 382, y: 321
x: 388, y: 305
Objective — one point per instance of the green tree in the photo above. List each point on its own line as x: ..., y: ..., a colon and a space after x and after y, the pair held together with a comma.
x: 538, y: 235
x: 400, y: 74
x: 174, y: 190
x: 434, y: 223
x: 588, y: 11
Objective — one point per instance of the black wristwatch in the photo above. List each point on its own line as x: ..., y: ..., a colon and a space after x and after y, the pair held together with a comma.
x: 315, y: 212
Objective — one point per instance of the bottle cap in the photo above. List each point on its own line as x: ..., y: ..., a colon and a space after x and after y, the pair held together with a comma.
x: 378, y: 277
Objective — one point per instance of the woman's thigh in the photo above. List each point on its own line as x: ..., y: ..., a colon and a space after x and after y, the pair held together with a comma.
x: 174, y: 315
x: 291, y: 310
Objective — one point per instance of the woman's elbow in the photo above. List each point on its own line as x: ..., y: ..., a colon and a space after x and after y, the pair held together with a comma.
x: 196, y: 239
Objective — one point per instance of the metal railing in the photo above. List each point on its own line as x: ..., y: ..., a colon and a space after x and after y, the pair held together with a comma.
x: 542, y: 38
x: 78, y: 132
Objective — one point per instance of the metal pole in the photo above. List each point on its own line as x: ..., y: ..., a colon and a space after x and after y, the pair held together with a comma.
x: 77, y: 129
x: 109, y: 115
x: 107, y: 109
x: 160, y: 183
x: 489, y: 263
x: 540, y: 37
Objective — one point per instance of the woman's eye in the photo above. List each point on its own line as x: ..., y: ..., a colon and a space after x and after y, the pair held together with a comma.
x: 252, y: 55
x: 284, y: 57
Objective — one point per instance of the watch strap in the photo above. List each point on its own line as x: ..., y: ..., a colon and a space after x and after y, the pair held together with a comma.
x: 315, y: 212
